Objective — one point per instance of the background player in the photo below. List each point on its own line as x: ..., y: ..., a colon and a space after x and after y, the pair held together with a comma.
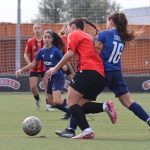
x: 33, y: 46
x: 51, y: 55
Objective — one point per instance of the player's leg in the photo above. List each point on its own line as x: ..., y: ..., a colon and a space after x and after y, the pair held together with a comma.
x: 90, y: 107
x: 117, y: 84
x: 57, y: 88
x: 58, y: 102
x: 136, y: 108
x: 48, y: 102
x: 74, y: 98
x: 33, y: 85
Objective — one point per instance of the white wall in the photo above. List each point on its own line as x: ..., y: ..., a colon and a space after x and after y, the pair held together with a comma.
x: 138, y: 15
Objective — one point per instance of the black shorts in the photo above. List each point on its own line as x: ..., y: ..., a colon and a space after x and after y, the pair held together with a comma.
x: 37, y: 74
x: 89, y: 83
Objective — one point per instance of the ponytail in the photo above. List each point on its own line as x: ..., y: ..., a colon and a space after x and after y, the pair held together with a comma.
x: 121, y: 23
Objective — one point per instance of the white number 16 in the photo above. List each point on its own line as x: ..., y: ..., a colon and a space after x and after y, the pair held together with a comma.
x: 116, y: 53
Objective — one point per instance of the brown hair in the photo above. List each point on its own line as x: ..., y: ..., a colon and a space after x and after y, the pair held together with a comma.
x: 121, y: 23
x: 78, y: 22
x: 57, y: 41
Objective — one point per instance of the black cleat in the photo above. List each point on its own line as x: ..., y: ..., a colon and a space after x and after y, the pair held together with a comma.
x: 67, y: 133
x: 66, y: 116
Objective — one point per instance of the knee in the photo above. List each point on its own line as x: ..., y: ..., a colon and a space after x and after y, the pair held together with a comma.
x: 33, y: 87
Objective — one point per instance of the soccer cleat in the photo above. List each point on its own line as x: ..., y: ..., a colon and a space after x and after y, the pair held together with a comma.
x: 37, y: 104
x: 67, y: 133
x: 110, y: 110
x: 66, y: 116
x: 85, y: 135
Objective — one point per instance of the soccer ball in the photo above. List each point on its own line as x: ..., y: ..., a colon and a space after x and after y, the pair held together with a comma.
x: 32, y: 125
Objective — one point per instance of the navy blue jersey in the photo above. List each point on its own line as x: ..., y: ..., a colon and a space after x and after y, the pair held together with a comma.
x: 50, y: 57
x: 112, y: 50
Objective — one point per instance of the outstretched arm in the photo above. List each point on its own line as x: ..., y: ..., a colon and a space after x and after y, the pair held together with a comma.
x: 30, y: 65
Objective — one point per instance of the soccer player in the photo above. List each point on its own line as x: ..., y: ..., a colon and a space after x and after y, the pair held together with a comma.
x: 33, y: 46
x: 113, y: 40
x: 51, y: 54
x: 87, y: 83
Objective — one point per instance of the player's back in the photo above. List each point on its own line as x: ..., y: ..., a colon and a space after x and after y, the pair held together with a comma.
x: 112, y: 49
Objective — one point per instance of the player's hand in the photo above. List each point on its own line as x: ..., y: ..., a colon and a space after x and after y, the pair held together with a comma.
x: 98, y: 46
x: 18, y: 73
x: 49, y: 73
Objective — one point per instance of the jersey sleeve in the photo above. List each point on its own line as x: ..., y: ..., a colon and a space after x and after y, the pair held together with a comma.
x: 72, y: 42
x: 101, y: 37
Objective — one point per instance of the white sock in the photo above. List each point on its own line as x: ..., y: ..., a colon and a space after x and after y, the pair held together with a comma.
x: 87, y: 129
x: 104, y: 106
x: 148, y: 119
x: 49, y: 106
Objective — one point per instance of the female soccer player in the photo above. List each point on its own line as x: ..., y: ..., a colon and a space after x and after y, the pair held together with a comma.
x: 33, y: 46
x: 51, y: 54
x: 88, y: 82
x: 113, y: 40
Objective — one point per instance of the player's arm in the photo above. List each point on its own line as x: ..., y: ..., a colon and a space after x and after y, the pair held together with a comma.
x: 27, y: 58
x: 30, y: 65
x: 69, y: 66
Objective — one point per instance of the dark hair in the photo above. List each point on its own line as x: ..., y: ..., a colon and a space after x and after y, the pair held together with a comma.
x: 57, y: 41
x: 90, y: 23
x: 78, y: 22
x: 121, y: 23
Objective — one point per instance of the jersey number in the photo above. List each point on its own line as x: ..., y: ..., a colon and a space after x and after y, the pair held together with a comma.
x: 116, y: 53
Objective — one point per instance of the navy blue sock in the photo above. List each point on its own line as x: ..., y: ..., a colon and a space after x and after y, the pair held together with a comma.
x: 62, y: 108
x: 139, y: 111
x: 65, y: 102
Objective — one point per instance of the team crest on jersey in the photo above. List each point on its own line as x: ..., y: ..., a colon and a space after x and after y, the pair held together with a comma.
x: 146, y: 85
x: 51, y: 56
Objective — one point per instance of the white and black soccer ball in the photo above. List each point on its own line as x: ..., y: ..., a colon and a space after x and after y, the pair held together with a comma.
x: 32, y: 125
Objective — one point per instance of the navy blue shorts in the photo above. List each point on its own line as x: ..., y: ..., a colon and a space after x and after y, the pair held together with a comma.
x: 116, y: 83
x: 55, y: 83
